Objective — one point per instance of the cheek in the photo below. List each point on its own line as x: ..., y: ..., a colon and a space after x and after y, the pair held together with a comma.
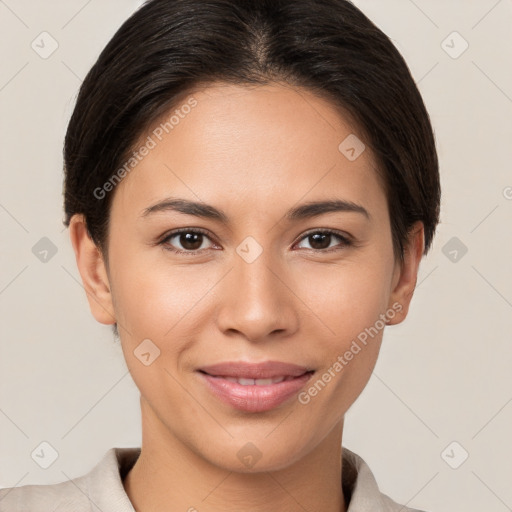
x: 349, y: 301
x: 152, y: 298
x: 164, y: 303
x: 346, y: 297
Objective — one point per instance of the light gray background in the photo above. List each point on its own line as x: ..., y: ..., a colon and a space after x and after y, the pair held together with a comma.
x: 443, y: 376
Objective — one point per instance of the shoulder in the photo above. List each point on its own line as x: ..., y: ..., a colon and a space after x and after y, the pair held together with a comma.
x: 99, y: 490
x: 70, y: 495
x: 359, y: 483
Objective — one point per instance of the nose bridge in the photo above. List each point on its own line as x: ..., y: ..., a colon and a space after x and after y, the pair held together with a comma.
x: 256, y: 302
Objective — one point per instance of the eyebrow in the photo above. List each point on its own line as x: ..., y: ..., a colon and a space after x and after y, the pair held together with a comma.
x: 304, y: 211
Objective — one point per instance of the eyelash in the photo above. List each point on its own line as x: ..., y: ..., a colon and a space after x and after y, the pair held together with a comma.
x: 345, y: 241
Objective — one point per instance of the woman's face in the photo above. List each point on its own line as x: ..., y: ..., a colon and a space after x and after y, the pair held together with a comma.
x: 258, y: 279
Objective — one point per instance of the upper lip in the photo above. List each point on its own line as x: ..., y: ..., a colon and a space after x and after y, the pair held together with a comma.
x: 245, y: 370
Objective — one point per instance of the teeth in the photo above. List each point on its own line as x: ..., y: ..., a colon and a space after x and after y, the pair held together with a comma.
x: 257, y: 382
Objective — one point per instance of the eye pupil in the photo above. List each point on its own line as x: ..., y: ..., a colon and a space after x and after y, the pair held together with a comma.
x: 320, y: 239
x: 191, y: 241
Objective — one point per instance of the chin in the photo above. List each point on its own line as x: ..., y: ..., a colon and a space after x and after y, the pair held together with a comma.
x: 257, y: 456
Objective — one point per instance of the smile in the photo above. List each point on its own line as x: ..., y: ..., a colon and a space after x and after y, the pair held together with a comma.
x: 253, y: 387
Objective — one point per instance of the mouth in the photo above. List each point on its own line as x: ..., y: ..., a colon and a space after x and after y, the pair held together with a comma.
x: 256, y: 387
x: 243, y: 381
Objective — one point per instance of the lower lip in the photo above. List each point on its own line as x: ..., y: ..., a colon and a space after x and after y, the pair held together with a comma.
x: 254, y: 398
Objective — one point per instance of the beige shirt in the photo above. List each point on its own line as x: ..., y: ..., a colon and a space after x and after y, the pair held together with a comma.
x: 101, y: 490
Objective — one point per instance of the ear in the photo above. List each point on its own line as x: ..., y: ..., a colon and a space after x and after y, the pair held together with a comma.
x: 92, y: 270
x: 405, y: 274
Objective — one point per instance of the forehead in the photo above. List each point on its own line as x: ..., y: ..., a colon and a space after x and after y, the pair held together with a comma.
x: 251, y: 147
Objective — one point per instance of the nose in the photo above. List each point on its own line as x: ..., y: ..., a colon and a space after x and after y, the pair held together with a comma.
x: 256, y: 302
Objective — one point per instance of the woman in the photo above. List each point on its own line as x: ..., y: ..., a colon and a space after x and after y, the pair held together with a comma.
x: 249, y: 188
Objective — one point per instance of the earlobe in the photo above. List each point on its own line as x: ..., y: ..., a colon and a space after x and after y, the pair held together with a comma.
x: 92, y: 270
x: 406, y: 274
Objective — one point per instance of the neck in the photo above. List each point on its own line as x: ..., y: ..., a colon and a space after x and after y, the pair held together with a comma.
x: 168, y: 473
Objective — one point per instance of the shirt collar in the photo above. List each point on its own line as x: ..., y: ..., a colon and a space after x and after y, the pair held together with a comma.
x: 106, y: 490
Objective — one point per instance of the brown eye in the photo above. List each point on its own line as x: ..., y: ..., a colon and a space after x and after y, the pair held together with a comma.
x: 322, y: 240
x: 191, y: 241
x: 186, y: 241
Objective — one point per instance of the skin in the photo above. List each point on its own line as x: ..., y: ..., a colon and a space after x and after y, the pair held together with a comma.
x: 253, y: 152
